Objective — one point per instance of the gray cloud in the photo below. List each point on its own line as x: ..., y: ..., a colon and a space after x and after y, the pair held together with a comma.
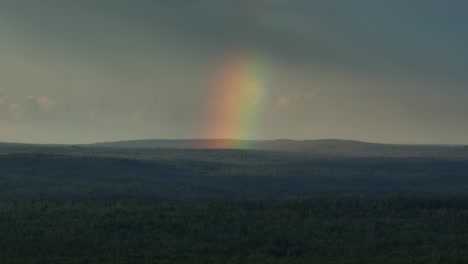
x: 389, y: 71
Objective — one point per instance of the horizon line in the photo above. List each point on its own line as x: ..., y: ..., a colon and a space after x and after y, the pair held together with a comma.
x: 230, y: 139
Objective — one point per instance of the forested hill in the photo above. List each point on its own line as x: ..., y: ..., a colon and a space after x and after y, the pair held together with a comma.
x: 82, y: 204
x: 328, y: 147
x: 321, y: 148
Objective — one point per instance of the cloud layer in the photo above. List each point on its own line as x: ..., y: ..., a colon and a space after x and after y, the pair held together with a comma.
x: 375, y: 70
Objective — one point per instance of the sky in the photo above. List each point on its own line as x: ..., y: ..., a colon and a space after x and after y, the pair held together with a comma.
x: 372, y: 70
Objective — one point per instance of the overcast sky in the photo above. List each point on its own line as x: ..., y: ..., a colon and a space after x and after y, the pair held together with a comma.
x: 372, y: 70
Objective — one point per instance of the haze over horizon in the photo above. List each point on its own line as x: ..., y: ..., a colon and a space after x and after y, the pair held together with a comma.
x: 369, y: 70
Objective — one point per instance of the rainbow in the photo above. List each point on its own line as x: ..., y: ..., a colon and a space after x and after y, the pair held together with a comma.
x: 238, y: 100
x: 239, y: 93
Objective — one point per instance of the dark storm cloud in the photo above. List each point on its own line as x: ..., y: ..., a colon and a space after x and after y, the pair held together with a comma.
x: 426, y: 38
x: 393, y: 37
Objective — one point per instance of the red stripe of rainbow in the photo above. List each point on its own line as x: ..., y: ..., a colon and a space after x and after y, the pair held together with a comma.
x: 239, y: 91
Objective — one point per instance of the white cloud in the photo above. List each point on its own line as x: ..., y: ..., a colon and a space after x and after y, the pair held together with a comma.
x: 296, y: 98
x: 283, y: 101
x: 16, y: 110
x: 310, y: 95
x: 139, y: 113
x: 45, y: 102
x: 6, y: 129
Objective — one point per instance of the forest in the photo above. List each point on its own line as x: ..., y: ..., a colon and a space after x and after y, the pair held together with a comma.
x: 323, y: 230
x: 74, y: 204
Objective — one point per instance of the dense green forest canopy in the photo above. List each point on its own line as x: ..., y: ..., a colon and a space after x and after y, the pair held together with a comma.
x: 76, y: 204
x: 323, y: 230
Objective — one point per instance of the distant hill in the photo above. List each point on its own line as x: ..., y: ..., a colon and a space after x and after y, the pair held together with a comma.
x: 323, y: 148
x: 150, y: 170
x: 327, y: 147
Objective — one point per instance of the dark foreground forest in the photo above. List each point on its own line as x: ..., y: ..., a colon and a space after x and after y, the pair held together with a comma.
x: 63, y: 204
x: 355, y: 230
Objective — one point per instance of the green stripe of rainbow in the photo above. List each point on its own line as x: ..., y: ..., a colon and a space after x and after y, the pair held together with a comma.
x: 240, y: 94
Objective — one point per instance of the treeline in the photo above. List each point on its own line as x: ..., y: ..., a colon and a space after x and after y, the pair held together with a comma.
x: 323, y: 230
x: 235, y: 174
